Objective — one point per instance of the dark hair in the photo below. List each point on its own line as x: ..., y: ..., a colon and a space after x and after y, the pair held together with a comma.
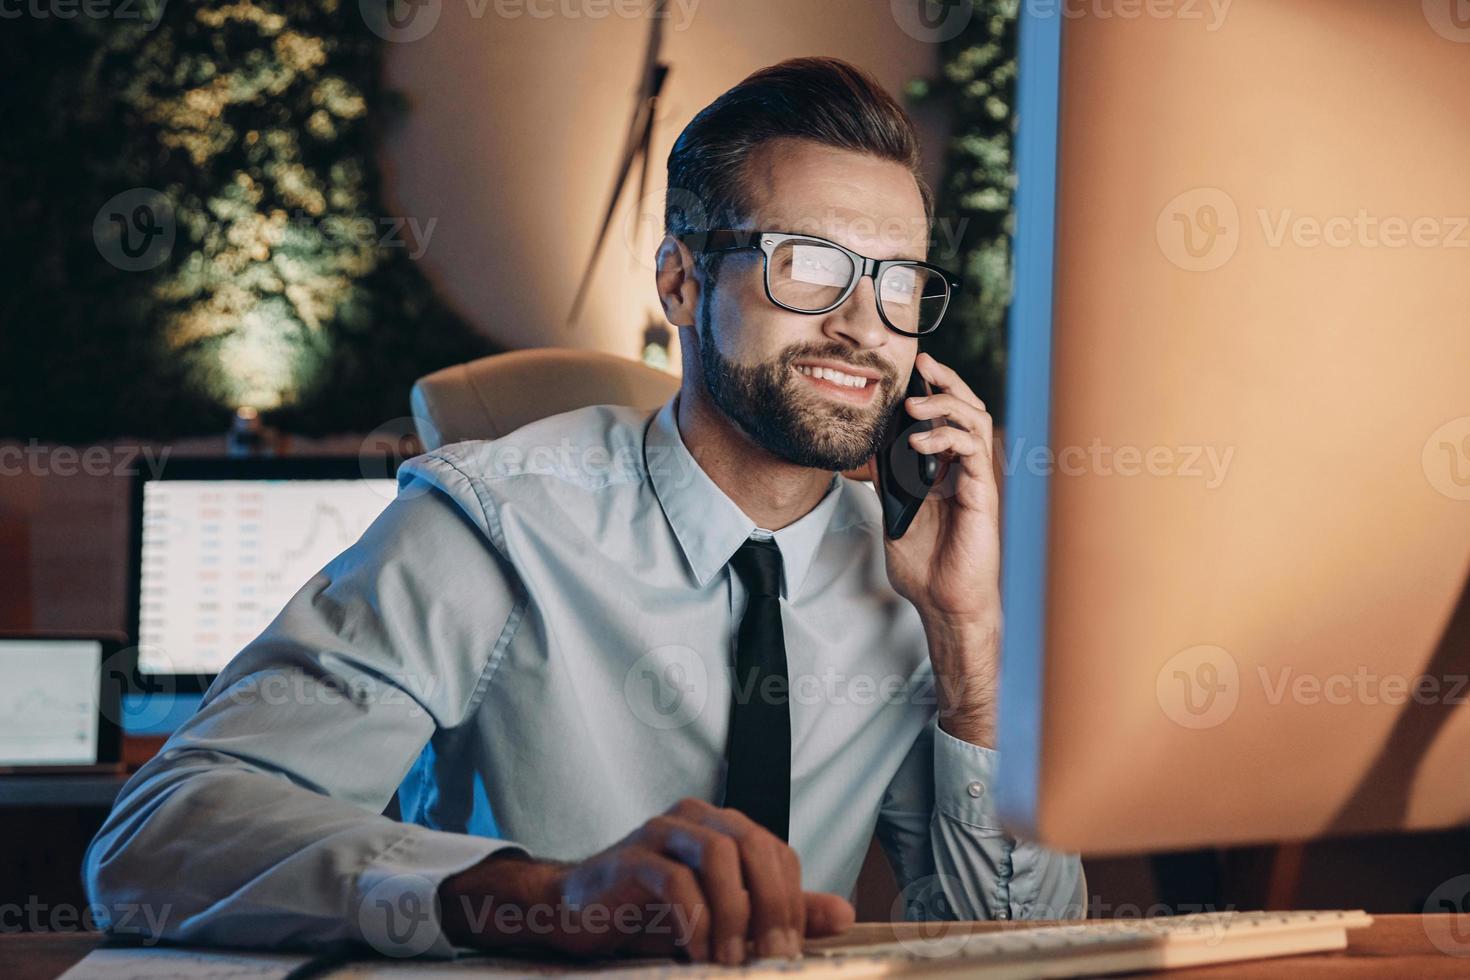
x: 823, y: 99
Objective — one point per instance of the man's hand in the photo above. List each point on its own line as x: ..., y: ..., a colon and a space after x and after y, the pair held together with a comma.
x: 948, y: 562
x: 697, y: 881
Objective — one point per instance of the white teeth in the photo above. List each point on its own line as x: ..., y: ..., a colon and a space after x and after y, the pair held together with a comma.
x: 833, y: 375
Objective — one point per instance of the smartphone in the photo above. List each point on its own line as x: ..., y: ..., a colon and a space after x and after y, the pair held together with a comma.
x: 905, y: 474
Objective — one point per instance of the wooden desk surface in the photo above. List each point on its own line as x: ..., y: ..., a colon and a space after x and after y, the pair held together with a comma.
x: 1397, y: 946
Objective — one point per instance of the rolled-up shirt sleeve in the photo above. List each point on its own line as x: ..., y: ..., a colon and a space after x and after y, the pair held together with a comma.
x: 939, y: 827
x: 260, y: 821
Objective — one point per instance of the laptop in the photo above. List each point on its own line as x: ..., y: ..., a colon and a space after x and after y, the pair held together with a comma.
x: 62, y: 703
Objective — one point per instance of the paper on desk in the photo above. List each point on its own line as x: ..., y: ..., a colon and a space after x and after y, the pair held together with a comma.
x: 167, y: 963
x: 185, y: 963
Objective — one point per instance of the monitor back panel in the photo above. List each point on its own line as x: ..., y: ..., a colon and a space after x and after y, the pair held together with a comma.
x: 1257, y: 609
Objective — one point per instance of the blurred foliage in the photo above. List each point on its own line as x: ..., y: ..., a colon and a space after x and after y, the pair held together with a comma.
x: 973, y: 206
x: 286, y: 287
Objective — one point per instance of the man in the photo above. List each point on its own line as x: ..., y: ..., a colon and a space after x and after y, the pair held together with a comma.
x: 677, y: 643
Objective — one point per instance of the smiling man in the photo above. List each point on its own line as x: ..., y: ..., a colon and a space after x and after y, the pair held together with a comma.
x: 656, y: 696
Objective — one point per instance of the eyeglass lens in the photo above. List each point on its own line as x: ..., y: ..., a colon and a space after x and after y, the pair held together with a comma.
x: 809, y: 276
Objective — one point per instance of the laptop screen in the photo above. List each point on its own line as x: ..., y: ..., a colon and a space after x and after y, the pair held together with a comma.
x: 50, y: 711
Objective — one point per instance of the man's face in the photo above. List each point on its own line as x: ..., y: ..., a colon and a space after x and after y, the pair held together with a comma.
x: 763, y: 364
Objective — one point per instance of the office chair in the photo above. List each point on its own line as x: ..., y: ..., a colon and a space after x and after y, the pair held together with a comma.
x: 488, y: 397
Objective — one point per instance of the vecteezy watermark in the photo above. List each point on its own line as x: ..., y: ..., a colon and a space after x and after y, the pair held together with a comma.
x: 1446, y: 458
x: 932, y: 21
x: 571, y: 919
x: 1210, y: 13
x: 667, y: 687
x: 678, y: 12
x: 1199, y: 462
x: 670, y: 687
x: 410, y: 20
x: 1363, y: 229
x: 644, y: 224
x: 278, y: 687
x: 1099, y: 909
x: 37, y: 459
x: 1447, y: 916
x: 362, y: 231
x: 143, y: 701
x: 389, y: 445
x: 1450, y: 19
x: 587, y: 463
x: 143, y: 920
x: 136, y: 230
x: 1198, y: 687
x: 936, y: 21
x: 1201, y: 229
x: 150, y: 12
x: 597, y: 462
x: 401, y: 20
x: 926, y: 900
x: 400, y: 915
x: 1202, y: 686
x: 1362, y: 685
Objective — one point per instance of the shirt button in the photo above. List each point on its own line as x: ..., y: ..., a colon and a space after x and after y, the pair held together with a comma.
x: 975, y: 789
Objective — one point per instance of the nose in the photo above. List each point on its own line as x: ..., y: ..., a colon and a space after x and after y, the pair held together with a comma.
x: 856, y: 321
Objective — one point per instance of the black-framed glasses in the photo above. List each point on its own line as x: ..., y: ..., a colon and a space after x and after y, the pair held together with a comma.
x: 807, y: 274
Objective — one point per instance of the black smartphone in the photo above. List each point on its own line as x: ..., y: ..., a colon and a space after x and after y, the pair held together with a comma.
x: 905, y: 474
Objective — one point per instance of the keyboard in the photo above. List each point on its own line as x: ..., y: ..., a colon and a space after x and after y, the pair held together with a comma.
x: 1095, y: 948
x: 1092, y: 948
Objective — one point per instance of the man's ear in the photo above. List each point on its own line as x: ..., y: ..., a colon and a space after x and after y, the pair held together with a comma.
x: 678, y: 290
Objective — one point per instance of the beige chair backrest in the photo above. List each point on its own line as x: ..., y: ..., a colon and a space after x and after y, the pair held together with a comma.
x: 488, y: 397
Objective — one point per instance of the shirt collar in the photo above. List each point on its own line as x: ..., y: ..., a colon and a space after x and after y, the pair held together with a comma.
x: 709, y: 526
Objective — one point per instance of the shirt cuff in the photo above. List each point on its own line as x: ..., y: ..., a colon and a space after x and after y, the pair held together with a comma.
x: 396, y: 900
x: 964, y: 780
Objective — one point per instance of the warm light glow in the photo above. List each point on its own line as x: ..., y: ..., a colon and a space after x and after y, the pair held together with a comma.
x: 277, y: 248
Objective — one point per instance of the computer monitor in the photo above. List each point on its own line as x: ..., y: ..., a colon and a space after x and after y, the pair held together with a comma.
x: 1236, y: 513
x: 61, y: 702
x: 220, y: 545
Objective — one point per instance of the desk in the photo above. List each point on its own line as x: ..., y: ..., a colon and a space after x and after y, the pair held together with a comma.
x: 1395, y: 946
x: 88, y: 790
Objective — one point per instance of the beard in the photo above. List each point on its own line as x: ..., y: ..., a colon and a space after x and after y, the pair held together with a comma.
x: 767, y: 402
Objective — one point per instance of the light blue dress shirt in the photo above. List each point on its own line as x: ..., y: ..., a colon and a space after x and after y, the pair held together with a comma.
x: 533, y: 645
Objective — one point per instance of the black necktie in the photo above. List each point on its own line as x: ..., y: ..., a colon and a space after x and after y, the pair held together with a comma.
x: 759, y: 751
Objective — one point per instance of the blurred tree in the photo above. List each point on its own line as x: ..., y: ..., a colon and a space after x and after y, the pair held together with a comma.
x: 973, y: 217
x: 196, y: 223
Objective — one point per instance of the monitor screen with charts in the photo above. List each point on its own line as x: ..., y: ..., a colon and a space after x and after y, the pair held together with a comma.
x: 221, y: 545
x: 59, y: 708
